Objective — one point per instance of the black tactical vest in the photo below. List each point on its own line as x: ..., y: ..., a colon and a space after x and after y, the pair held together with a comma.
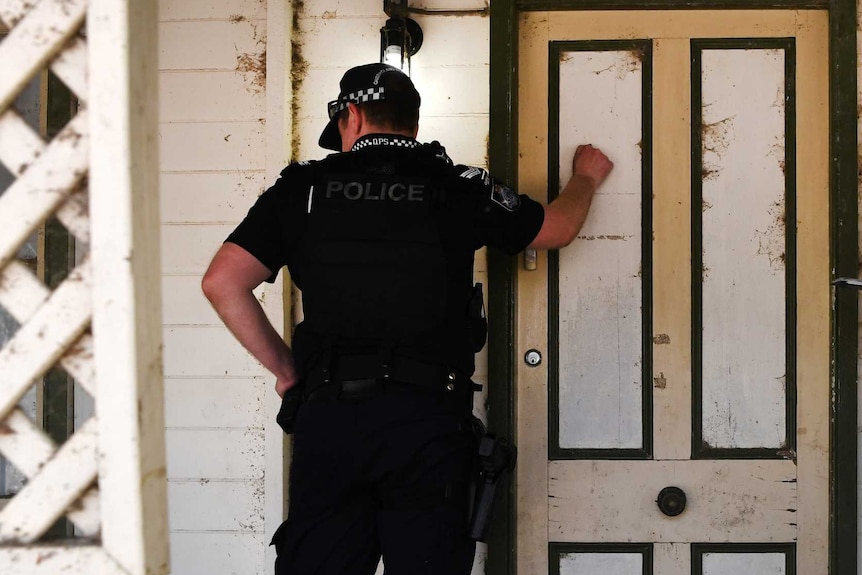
x: 384, y: 260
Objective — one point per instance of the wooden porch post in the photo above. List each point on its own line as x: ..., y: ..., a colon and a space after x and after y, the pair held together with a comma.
x: 122, y: 37
x: 103, y: 322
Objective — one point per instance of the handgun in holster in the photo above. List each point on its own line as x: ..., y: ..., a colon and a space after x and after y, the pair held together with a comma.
x: 496, y: 458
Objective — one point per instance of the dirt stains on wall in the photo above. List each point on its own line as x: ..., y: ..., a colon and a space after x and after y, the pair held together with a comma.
x: 252, y: 65
x: 253, y: 68
x: 298, y: 70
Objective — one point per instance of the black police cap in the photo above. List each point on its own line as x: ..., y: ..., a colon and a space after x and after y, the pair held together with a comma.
x: 367, y: 83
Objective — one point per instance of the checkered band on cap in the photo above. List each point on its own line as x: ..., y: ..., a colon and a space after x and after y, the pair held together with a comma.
x: 366, y: 95
x: 360, y: 97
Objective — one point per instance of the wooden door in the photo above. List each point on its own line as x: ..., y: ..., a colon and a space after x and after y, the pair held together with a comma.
x: 684, y: 335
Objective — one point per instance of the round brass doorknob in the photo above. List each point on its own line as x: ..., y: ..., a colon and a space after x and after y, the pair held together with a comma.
x: 671, y: 501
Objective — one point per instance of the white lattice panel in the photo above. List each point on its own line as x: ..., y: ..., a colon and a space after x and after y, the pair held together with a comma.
x: 54, y: 179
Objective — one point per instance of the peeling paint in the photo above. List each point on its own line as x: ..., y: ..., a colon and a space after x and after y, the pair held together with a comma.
x: 777, y: 150
x: 628, y: 61
x: 771, y: 241
x: 715, y: 138
x: 660, y: 382
x: 788, y: 454
x: 604, y: 237
x: 707, y: 174
x: 661, y: 339
x: 253, y: 67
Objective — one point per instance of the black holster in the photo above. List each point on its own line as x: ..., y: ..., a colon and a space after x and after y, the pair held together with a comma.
x: 478, y: 323
x: 290, y: 403
x: 496, y: 458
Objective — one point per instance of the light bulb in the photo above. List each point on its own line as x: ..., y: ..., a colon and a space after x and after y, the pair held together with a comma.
x: 392, y: 56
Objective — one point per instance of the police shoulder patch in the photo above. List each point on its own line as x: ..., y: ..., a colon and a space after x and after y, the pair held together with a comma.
x: 505, y: 196
x: 472, y: 173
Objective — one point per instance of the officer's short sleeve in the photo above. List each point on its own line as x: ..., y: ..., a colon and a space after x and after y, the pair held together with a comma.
x: 503, y: 218
x: 271, y: 223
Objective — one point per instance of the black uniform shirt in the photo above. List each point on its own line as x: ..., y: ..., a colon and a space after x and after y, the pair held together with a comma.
x: 500, y: 217
x: 481, y: 212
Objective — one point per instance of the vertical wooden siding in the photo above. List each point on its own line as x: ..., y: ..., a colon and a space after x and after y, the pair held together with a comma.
x: 219, y: 401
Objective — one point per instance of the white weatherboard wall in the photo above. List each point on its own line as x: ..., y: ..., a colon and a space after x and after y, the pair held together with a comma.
x: 224, y: 452
x: 224, y: 123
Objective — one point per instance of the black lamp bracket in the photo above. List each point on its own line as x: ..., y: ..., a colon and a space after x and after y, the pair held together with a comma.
x: 398, y: 11
x: 400, y: 8
x: 396, y: 8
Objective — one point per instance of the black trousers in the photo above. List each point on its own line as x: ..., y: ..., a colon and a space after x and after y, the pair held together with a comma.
x: 386, y: 475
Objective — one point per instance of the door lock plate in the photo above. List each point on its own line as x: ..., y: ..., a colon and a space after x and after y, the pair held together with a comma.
x: 533, y: 357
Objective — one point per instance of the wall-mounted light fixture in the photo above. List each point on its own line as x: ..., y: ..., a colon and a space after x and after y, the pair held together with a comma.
x: 400, y: 37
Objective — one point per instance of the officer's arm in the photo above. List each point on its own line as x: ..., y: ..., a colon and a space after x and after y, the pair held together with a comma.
x: 565, y: 216
x: 228, y: 284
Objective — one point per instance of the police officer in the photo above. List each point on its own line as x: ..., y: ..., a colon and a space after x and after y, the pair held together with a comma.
x: 380, y: 238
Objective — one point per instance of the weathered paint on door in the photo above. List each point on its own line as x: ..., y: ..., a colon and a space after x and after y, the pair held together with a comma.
x: 687, y: 328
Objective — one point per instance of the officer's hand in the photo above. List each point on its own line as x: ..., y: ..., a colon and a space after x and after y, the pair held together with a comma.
x: 591, y: 162
x: 286, y: 378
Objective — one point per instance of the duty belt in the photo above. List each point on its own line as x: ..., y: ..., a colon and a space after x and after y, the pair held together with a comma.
x: 362, y: 376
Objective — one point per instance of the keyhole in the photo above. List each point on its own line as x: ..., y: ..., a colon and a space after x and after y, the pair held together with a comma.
x: 533, y: 358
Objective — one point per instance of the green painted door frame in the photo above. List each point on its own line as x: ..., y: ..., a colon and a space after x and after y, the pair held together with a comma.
x: 503, y: 155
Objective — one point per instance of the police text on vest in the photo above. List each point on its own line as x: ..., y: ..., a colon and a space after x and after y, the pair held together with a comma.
x: 382, y: 191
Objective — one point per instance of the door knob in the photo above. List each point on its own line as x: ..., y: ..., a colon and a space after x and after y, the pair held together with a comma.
x: 671, y: 501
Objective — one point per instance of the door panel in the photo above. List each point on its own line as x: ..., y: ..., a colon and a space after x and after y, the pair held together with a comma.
x: 693, y: 310
x: 728, y: 501
x: 743, y: 559
x: 744, y: 368
x: 602, y: 284
x: 591, y: 559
